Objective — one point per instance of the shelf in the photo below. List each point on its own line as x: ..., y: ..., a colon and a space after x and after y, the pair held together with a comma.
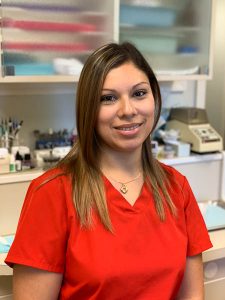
x: 194, y: 158
x: 184, y: 77
x: 173, y: 30
x: 41, y: 87
x: 40, y: 79
x: 74, y: 78
x: 20, y: 176
x: 32, y: 174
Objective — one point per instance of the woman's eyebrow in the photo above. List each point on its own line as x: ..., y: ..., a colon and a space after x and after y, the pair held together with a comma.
x: 109, y: 90
x: 133, y: 87
x: 142, y: 82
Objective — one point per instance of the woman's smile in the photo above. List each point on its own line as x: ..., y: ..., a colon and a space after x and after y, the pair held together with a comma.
x: 129, y: 129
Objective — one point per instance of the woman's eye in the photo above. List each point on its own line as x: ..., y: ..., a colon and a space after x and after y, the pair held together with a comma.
x: 107, y: 99
x: 140, y: 93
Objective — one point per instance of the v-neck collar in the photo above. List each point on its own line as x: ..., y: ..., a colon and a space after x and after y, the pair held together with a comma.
x: 116, y: 198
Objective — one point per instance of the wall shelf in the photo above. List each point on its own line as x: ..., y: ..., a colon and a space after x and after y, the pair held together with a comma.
x: 194, y: 158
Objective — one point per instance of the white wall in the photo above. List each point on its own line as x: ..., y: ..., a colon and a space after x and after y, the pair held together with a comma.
x: 39, y: 111
x: 215, y: 93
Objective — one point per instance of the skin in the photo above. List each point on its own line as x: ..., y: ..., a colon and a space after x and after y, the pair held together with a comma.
x: 34, y: 284
x: 192, y: 287
x: 126, y: 112
x: 125, y: 120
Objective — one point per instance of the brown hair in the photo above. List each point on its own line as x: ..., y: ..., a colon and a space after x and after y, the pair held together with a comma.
x: 82, y: 161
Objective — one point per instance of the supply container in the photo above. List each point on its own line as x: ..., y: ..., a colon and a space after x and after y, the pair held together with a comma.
x: 155, y: 13
x: 155, y: 43
x: 4, y: 160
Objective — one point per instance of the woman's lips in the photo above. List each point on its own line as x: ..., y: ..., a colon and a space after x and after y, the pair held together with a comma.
x: 128, y: 127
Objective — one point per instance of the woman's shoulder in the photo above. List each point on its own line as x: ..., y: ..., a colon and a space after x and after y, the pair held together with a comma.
x: 52, y: 188
x: 51, y: 178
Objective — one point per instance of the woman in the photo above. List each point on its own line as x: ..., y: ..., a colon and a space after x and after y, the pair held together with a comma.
x: 111, y: 222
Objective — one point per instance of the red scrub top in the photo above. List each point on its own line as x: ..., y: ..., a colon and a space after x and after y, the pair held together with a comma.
x: 143, y: 259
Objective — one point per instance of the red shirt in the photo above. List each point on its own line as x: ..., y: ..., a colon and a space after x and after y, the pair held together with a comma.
x: 144, y: 258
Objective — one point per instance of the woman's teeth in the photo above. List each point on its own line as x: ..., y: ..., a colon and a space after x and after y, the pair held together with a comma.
x: 129, y: 128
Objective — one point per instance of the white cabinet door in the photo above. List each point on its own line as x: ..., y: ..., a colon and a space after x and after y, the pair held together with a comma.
x: 12, y: 197
x: 48, y: 38
x: 174, y: 35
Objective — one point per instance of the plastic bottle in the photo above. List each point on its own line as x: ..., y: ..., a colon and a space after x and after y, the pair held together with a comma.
x: 26, y: 165
x: 18, y: 161
x: 12, y: 163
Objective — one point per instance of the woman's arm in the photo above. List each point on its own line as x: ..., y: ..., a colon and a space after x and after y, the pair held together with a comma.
x: 192, y: 287
x: 30, y: 283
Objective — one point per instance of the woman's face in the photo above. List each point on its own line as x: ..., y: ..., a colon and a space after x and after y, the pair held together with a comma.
x: 126, y: 113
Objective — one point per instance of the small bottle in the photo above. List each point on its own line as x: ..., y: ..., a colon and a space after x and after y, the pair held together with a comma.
x: 26, y: 165
x: 12, y: 163
x: 18, y: 161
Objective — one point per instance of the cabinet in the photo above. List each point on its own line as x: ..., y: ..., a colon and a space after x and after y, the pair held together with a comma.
x: 175, y: 35
x: 49, y: 38
x: 13, y: 188
x: 214, y: 267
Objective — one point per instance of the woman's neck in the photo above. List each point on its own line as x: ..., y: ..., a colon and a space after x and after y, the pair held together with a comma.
x: 121, y: 163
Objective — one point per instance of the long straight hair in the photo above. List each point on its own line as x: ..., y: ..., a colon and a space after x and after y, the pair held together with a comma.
x: 82, y: 161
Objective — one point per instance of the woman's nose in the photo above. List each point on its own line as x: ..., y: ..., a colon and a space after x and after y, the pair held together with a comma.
x: 127, y: 107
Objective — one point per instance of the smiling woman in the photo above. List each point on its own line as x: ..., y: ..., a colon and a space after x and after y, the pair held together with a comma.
x: 110, y: 214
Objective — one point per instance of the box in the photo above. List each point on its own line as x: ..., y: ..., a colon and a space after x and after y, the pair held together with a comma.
x: 181, y: 149
x: 159, y: 44
x: 147, y: 16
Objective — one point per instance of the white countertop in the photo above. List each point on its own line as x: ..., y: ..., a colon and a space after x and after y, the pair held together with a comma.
x: 31, y: 174
x: 218, y: 251
x: 4, y: 269
x: 194, y: 158
x: 20, y: 176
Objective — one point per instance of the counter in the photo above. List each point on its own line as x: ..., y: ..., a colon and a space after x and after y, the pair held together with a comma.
x: 218, y: 251
x: 194, y: 158
x: 20, y: 176
x: 214, y: 267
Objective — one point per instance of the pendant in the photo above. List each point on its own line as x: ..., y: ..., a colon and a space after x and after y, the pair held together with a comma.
x: 124, y: 188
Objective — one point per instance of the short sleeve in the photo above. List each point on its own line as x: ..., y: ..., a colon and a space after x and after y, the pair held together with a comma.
x: 198, y: 237
x: 41, y: 235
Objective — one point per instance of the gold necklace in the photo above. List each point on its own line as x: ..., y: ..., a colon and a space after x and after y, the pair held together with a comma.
x: 124, y: 188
